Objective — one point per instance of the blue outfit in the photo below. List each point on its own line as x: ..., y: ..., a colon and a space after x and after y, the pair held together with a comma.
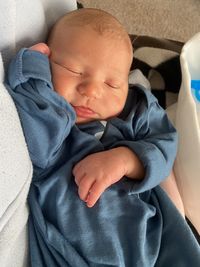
x: 133, y: 224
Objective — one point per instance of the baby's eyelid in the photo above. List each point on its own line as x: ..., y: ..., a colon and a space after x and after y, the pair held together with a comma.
x: 69, y: 69
x: 114, y: 86
x: 74, y: 71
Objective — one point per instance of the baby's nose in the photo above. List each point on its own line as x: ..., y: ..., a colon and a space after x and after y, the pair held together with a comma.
x: 90, y: 89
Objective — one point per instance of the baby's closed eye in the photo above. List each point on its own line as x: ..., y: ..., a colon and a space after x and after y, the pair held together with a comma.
x: 70, y: 69
x: 112, y: 85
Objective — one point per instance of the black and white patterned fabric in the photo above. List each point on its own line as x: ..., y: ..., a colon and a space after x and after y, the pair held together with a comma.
x: 158, y: 59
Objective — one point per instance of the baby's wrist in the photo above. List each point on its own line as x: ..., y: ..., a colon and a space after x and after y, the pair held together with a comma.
x: 133, y: 167
x: 127, y: 154
x: 124, y: 154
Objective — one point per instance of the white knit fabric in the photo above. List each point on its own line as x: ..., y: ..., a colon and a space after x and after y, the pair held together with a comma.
x: 22, y: 23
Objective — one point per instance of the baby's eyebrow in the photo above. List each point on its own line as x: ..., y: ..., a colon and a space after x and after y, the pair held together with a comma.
x: 118, y: 78
x: 117, y: 73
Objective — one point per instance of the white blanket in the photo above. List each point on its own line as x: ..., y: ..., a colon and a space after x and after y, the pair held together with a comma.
x: 22, y: 23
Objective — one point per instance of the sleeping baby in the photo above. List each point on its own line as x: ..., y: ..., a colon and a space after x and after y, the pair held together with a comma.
x: 90, y: 134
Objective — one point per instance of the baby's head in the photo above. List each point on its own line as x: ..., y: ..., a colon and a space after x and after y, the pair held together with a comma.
x: 91, y: 55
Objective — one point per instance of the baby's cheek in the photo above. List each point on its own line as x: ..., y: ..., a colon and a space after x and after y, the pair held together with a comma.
x: 62, y: 90
x: 118, y: 106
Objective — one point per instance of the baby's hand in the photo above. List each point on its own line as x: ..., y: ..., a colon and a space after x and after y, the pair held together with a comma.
x: 98, y: 171
x: 42, y: 48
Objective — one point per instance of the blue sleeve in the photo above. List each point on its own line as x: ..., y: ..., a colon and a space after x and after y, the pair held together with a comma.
x: 45, y: 116
x: 152, y: 137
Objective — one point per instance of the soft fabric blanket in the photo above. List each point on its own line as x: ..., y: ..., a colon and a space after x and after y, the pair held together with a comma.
x: 158, y: 59
x: 22, y: 23
x: 133, y: 224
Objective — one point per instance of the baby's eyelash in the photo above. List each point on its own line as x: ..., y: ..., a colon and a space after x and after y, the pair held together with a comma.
x: 112, y: 85
x: 73, y: 71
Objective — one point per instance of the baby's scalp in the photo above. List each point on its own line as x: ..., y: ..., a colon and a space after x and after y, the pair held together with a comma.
x: 100, y: 21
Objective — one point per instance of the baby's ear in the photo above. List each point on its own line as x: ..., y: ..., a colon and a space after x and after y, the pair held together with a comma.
x: 42, y: 48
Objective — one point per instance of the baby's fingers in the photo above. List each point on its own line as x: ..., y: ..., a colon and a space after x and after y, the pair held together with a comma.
x: 84, y: 187
x: 94, y: 193
x: 41, y: 47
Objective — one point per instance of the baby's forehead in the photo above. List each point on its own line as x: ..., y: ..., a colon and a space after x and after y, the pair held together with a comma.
x: 101, y: 23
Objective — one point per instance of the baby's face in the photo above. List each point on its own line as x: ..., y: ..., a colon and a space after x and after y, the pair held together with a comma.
x: 91, y: 72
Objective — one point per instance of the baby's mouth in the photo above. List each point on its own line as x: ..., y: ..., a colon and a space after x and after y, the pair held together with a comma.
x: 84, y: 112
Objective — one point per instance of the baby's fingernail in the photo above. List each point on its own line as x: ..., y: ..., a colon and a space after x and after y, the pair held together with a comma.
x: 89, y: 205
x: 88, y: 196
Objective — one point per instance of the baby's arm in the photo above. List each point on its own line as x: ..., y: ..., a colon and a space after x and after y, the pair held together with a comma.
x: 98, y: 171
x: 29, y: 83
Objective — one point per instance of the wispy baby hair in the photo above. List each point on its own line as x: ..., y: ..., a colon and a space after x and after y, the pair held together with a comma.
x: 100, y: 21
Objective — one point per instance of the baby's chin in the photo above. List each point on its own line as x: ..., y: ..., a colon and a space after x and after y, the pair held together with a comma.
x: 80, y: 120
x: 84, y: 120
